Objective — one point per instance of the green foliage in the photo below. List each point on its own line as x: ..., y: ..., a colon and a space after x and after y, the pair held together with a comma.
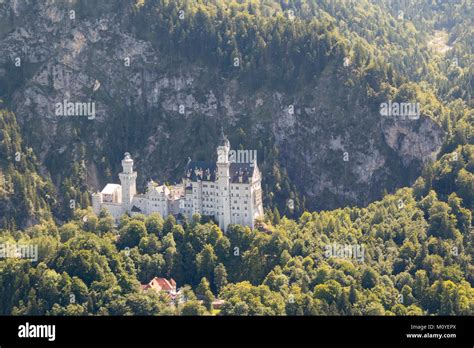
x: 415, y: 261
x: 204, y: 293
x: 154, y: 224
x: 416, y: 243
x: 132, y: 233
x: 25, y: 197
x: 246, y: 299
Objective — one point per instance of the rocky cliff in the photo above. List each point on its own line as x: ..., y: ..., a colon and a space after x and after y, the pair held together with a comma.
x: 326, y: 138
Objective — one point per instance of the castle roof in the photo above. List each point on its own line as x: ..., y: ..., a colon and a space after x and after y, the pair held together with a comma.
x: 207, y: 171
x: 135, y: 209
x: 200, y: 170
x: 244, y: 170
x: 223, y: 138
x: 159, y: 189
x: 110, y: 189
x: 127, y: 157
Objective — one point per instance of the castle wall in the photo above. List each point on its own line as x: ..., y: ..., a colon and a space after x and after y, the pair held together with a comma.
x: 229, y: 202
x: 115, y: 209
x: 240, y: 201
x: 158, y: 205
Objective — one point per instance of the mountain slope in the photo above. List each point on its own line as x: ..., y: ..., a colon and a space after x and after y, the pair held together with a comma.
x: 314, y: 116
x: 25, y: 196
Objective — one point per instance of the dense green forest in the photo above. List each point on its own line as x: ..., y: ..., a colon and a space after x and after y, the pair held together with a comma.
x: 25, y: 197
x: 263, y: 47
x: 416, y: 259
x: 413, y: 247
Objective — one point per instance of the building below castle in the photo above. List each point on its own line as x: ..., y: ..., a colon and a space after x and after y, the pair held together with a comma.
x: 227, y: 191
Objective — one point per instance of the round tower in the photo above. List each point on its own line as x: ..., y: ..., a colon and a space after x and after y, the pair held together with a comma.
x: 128, y: 180
x: 223, y: 182
x: 97, y: 202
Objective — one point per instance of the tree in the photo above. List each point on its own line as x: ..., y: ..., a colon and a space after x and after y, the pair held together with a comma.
x: 246, y: 299
x: 204, y: 293
x: 171, y: 253
x: 421, y: 284
x: 276, y: 216
x: 170, y: 221
x: 220, y: 277
x: 106, y: 224
x: 205, y: 262
x: 369, y: 278
x: 375, y: 308
x: 353, y: 295
x: 449, y: 299
x: 68, y: 231
x: 193, y: 308
x: 191, y: 305
x: 328, y: 291
x: 419, y: 188
x: 463, y: 215
x: 90, y: 222
x: 442, y: 223
x: 143, y: 304
x: 131, y: 234
x: 154, y: 224
x: 465, y: 184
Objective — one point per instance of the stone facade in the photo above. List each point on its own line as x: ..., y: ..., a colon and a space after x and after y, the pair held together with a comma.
x: 226, y: 191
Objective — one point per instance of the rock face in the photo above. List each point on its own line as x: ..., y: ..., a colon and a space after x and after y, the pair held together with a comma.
x: 418, y: 142
x: 334, y: 153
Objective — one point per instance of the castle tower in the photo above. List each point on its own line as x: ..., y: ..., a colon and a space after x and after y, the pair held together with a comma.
x: 96, y: 202
x: 223, y: 182
x: 128, y: 180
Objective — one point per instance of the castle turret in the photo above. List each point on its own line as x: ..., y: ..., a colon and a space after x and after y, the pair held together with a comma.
x: 223, y: 182
x: 97, y: 202
x: 128, y: 180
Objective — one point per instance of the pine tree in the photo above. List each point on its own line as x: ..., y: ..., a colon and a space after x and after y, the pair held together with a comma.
x: 204, y: 293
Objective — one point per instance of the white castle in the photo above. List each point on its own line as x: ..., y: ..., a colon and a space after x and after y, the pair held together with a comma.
x: 228, y: 192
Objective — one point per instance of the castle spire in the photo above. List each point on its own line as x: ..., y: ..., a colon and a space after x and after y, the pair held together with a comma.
x: 223, y: 139
x: 128, y: 182
x: 127, y: 163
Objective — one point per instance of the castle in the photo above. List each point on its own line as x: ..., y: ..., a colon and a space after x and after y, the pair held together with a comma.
x: 226, y: 191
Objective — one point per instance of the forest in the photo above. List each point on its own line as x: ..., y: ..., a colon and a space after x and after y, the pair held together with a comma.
x: 417, y: 259
x: 414, y: 244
